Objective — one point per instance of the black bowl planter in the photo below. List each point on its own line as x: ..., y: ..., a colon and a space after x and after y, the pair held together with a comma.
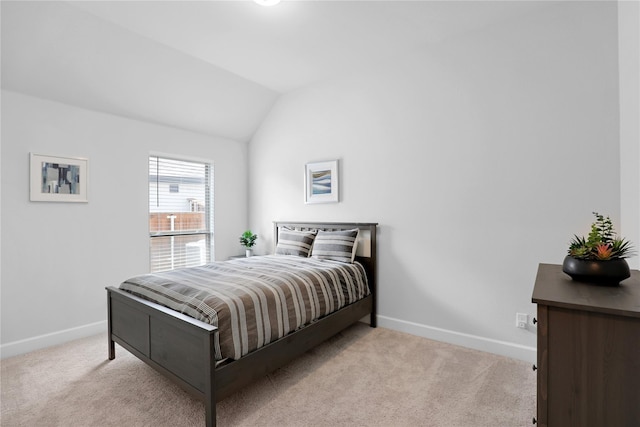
x: 610, y: 272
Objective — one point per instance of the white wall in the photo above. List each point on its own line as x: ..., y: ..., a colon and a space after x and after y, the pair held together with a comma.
x: 57, y: 258
x: 471, y: 155
x: 479, y: 157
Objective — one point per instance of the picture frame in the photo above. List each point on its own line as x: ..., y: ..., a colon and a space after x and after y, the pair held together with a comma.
x: 321, y: 182
x: 58, y: 179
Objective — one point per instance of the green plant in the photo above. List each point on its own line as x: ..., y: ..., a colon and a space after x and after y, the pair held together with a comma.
x: 248, y: 239
x: 601, y: 244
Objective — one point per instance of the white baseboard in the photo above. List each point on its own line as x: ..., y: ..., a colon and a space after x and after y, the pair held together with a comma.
x: 503, y: 348
x: 47, y: 340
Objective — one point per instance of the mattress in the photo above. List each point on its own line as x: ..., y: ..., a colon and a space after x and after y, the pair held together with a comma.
x: 257, y: 300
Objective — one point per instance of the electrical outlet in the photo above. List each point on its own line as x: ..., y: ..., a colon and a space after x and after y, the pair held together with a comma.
x: 521, y: 320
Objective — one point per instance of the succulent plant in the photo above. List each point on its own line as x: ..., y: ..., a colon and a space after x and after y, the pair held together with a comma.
x: 603, y: 251
x: 601, y: 244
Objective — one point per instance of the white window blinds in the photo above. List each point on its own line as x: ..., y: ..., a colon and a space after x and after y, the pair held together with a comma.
x: 180, y: 213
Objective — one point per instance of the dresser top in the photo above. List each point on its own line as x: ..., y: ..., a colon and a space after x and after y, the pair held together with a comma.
x: 555, y: 288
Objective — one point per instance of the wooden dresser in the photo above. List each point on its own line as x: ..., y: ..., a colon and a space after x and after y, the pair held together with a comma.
x: 588, y: 351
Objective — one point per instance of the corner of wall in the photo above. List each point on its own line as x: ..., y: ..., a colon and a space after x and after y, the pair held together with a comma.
x: 629, y: 90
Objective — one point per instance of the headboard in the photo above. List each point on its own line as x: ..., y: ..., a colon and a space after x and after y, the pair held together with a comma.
x: 366, y: 251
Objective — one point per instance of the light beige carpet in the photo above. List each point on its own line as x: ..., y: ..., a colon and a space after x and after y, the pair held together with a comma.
x: 362, y: 377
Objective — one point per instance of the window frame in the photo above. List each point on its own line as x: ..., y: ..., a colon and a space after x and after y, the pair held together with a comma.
x: 208, y: 231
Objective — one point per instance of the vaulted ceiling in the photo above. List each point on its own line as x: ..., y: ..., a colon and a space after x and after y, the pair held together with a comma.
x: 215, y: 67
x: 297, y: 43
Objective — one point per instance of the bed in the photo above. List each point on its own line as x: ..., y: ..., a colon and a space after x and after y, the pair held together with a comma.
x: 189, y: 352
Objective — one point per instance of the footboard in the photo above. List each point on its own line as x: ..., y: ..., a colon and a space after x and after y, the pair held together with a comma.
x: 180, y: 347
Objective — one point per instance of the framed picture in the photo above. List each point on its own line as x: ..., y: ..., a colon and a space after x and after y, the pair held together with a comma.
x: 321, y: 182
x: 58, y: 179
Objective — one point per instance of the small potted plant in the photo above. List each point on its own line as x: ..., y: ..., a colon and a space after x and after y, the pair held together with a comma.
x: 248, y: 240
x: 600, y: 258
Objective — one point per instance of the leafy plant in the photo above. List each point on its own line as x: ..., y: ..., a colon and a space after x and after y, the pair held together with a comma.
x: 601, y: 244
x: 601, y: 231
x: 248, y: 239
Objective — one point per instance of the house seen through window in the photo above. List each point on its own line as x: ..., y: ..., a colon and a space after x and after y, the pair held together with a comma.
x: 180, y: 213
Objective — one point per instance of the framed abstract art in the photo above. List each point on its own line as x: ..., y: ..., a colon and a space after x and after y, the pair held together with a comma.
x: 58, y: 179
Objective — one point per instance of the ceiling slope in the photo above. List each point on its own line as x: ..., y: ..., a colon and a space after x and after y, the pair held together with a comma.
x: 297, y: 43
x: 56, y: 51
x: 215, y: 67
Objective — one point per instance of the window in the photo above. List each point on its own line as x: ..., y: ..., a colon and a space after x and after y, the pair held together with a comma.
x: 180, y: 222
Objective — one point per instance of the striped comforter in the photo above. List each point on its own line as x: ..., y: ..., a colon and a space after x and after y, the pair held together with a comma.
x: 254, y: 301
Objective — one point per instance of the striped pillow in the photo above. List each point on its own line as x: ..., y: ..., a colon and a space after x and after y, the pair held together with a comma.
x: 293, y: 242
x: 336, y: 245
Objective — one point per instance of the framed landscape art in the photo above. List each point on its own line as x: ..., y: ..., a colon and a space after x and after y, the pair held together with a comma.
x: 321, y: 182
x: 58, y: 179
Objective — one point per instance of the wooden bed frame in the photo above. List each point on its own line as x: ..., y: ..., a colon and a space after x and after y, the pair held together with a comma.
x: 181, y: 347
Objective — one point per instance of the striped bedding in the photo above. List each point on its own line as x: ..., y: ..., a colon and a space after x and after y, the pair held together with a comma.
x: 254, y: 301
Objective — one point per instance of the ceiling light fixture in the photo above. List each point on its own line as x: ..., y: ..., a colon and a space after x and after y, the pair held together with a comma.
x: 267, y: 2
